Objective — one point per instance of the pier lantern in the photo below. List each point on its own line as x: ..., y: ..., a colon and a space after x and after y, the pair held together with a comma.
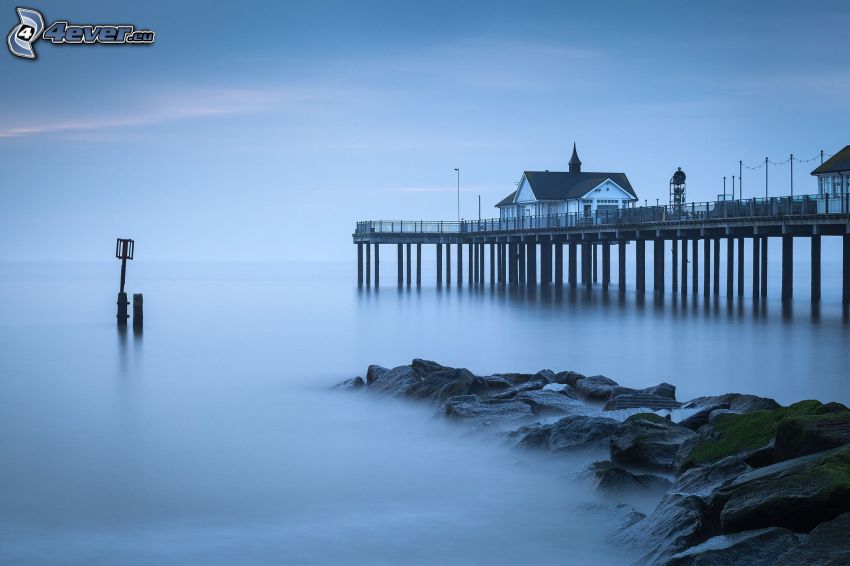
x: 124, y: 248
x: 677, y: 189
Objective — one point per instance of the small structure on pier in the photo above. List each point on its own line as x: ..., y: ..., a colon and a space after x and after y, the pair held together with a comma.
x: 677, y: 189
x: 834, y: 175
x: 547, y: 193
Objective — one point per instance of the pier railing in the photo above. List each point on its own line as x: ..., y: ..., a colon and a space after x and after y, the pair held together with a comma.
x: 773, y: 207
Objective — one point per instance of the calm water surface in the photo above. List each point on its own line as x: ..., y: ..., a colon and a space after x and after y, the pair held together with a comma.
x: 213, y: 438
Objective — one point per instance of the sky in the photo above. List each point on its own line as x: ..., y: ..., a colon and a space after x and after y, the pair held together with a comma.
x: 265, y: 130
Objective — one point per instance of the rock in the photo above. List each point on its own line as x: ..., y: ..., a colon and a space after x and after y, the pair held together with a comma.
x: 738, y: 402
x: 595, y: 388
x: 737, y: 433
x: 472, y: 407
x: 700, y: 418
x: 425, y: 379
x: 353, y: 383
x: 679, y: 522
x: 716, y: 414
x: 497, y: 383
x: 661, y: 390
x: 550, y: 402
x: 705, y: 480
x: 514, y: 378
x: 756, y: 548
x: 826, y: 545
x: 640, y: 401
x: 810, y: 434
x: 795, y: 494
x: 570, y: 433
x: 567, y: 377
x: 531, y: 385
x: 646, y: 441
x: 611, y: 479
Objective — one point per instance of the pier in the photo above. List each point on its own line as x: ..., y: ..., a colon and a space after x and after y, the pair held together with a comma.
x: 529, y: 251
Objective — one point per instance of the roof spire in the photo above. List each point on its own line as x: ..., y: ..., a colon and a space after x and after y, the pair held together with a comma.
x: 575, y: 162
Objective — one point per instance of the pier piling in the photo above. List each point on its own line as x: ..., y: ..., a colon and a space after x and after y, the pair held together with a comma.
x: 400, y: 265
x: 684, y: 268
x: 606, y: 265
x: 359, y: 264
x: 439, y: 264
x: 787, y: 267
x: 409, y: 262
x: 741, y: 259
x: 695, y: 246
x: 674, y: 271
x: 716, y: 267
x: 763, y: 276
x: 706, y: 276
x: 573, y: 264
x: 559, y: 264
x: 368, y: 264
x: 531, y: 264
x: 377, y: 265
x: 658, y: 263
x: 138, y: 311
x: 621, y: 266
x: 815, y: 279
x: 730, y: 268
x: 756, y: 267
x: 418, y: 265
x: 640, y: 266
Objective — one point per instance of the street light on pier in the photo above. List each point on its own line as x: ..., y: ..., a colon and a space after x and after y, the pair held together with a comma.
x: 457, y: 169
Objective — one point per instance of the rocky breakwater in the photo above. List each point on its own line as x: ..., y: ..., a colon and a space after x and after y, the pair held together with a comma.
x: 738, y: 478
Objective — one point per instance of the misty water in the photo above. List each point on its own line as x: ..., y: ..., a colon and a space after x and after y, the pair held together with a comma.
x: 213, y: 436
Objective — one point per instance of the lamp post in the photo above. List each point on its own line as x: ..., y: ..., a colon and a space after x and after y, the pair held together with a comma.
x: 457, y: 169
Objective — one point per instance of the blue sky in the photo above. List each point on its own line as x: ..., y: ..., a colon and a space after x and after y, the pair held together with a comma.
x: 264, y: 131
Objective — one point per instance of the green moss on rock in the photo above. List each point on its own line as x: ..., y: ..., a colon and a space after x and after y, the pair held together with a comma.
x: 736, y: 433
x: 650, y: 417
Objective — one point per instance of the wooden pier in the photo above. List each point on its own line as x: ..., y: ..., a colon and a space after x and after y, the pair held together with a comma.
x: 520, y: 250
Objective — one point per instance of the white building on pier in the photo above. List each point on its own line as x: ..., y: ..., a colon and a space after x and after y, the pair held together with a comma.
x: 544, y: 193
x: 834, y: 175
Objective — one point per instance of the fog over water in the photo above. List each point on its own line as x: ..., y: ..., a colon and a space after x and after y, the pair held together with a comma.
x: 213, y: 436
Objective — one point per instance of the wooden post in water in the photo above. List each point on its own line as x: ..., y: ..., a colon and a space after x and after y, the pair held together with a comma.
x: 531, y: 264
x: 756, y: 267
x: 730, y: 268
x: 359, y: 264
x: 521, y: 268
x: 546, y: 263
x: 559, y: 264
x: 595, y: 263
x: 400, y: 265
x: 481, y: 264
x: 716, y: 267
x: 138, y: 314
x: 621, y: 265
x: 606, y: 265
x: 815, y: 268
x: 418, y: 265
x: 377, y: 265
x: 492, y: 264
x: 675, y: 267
x: 585, y: 265
x: 684, y: 267
x: 706, y: 277
x: 764, y: 267
x: 573, y: 264
x: 846, y: 270
x: 473, y: 263
x: 409, y: 262
x: 695, y: 245
x: 124, y: 248
x: 459, y: 264
x: 368, y: 264
x: 513, y: 260
x: 787, y: 267
x: 640, y: 266
x: 439, y: 264
x: 448, y: 265
x: 741, y: 259
x: 658, y: 271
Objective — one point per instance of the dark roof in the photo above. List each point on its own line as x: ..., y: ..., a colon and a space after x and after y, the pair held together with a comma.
x: 507, y: 200
x: 559, y: 185
x: 840, y: 162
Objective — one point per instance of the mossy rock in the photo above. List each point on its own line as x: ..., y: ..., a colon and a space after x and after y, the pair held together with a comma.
x: 737, y: 433
x: 808, y: 434
x: 651, y: 417
x: 796, y: 494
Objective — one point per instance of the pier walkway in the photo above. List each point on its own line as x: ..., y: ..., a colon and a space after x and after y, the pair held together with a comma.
x: 511, y: 246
